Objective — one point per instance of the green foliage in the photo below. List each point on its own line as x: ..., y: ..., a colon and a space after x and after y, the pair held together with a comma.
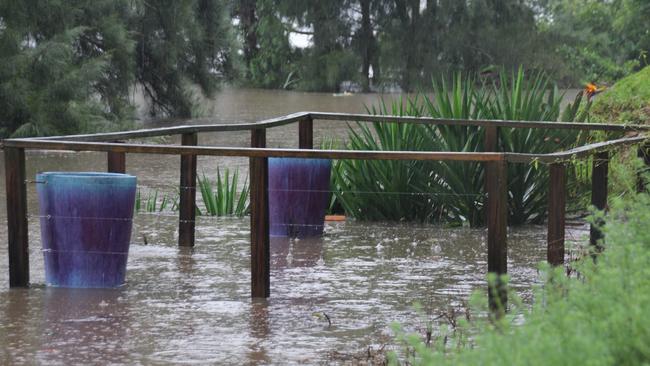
x: 596, y: 318
x: 383, y: 189
x: 326, y: 71
x: 70, y: 66
x: 221, y: 197
x: 599, y: 40
x: 407, y: 42
x: 628, y: 101
x: 453, y: 192
x: 179, y: 44
x: 521, y: 99
x: 62, y: 68
x: 446, y: 36
x: 151, y: 204
x: 271, y: 64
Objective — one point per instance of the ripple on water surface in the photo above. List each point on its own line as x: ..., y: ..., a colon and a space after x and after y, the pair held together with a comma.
x: 192, y: 305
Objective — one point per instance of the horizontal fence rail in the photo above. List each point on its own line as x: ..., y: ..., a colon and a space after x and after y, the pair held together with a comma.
x: 251, y: 152
x: 200, y: 125
x: 577, y: 153
x: 496, y: 178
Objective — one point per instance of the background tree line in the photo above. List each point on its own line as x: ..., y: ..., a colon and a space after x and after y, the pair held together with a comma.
x: 70, y: 66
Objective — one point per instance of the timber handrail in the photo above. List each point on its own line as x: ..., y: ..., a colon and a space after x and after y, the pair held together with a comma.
x: 478, y: 122
x: 579, y: 152
x: 251, y: 152
x: 195, y: 127
x: 575, y: 153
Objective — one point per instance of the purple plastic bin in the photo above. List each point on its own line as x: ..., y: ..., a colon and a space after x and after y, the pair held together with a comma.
x: 86, y: 221
x: 298, y: 196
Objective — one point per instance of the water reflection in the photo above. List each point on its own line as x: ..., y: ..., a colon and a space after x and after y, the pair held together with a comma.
x: 85, y: 326
x: 260, y: 330
x: 293, y: 252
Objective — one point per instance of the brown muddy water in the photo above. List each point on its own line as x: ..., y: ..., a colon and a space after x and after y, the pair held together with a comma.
x: 192, y: 306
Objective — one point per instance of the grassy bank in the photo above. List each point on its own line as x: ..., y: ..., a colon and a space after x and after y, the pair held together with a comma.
x: 627, y: 101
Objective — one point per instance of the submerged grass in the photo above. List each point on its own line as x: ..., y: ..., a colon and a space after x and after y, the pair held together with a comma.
x: 151, y: 203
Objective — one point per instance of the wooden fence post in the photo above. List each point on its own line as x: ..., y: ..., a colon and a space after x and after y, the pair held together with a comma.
x: 116, y: 161
x: 17, y: 230
x: 489, y: 145
x: 306, y: 133
x: 497, y: 223
x: 599, y: 173
x: 187, y: 200
x: 491, y: 138
x: 556, y: 214
x: 260, y: 244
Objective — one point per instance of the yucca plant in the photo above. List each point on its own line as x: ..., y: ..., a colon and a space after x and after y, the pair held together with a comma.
x: 454, y: 191
x: 221, y: 197
x: 384, y: 189
x: 459, y: 185
x: 518, y: 98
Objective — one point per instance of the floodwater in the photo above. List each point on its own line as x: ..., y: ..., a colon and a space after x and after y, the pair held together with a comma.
x: 193, y: 306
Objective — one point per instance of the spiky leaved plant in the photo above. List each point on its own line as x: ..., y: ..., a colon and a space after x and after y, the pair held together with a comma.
x: 222, y: 197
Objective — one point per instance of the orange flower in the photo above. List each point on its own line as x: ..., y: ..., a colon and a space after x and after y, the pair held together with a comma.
x: 592, y: 89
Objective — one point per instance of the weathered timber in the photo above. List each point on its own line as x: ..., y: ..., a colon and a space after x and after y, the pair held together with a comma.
x: 599, y: 172
x: 306, y: 133
x: 576, y: 153
x: 17, y: 230
x: 556, y: 214
x: 260, y: 243
x: 187, y: 200
x: 491, y: 138
x: 194, y: 126
x: 252, y: 152
x: 477, y: 122
x: 204, y: 125
x: 116, y: 162
x: 497, y: 223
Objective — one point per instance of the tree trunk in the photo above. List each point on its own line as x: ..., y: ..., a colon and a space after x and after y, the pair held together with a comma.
x: 248, y: 24
x: 366, y: 42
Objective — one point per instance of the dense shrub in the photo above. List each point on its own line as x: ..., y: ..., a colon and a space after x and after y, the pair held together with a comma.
x: 599, y: 317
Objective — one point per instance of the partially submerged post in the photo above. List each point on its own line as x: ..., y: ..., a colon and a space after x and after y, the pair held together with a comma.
x: 260, y: 243
x: 17, y: 229
x: 497, y: 223
x: 556, y: 214
x: 187, y: 199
